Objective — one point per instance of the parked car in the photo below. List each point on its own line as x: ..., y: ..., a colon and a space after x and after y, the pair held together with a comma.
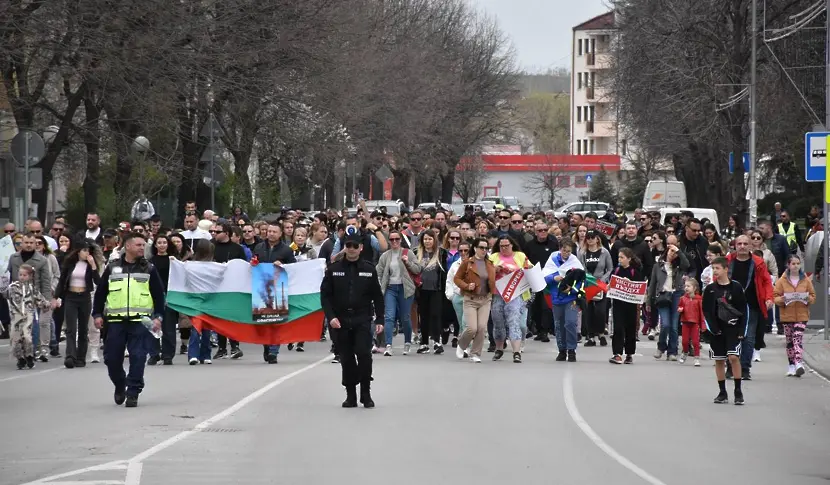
x: 582, y: 208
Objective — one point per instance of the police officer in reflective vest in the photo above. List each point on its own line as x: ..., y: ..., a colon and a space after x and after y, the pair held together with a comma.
x: 130, y: 290
x: 347, y: 294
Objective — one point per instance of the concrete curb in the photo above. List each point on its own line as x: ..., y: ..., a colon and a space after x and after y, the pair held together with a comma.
x: 814, y: 360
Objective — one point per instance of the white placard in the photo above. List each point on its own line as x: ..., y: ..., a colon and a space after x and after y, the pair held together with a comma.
x: 6, y: 251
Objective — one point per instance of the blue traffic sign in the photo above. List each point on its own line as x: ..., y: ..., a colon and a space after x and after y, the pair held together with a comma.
x: 815, y: 156
x: 732, y: 162
x: 589, y: 178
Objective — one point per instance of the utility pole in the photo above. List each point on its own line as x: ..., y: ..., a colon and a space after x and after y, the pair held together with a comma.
x: 825, y: 284
x: 213, y: 166
x: 753, y: 156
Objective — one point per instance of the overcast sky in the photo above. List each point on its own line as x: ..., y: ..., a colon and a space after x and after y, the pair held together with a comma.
x: 541, y: 29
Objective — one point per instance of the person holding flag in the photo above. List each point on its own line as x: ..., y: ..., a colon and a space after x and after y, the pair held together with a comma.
x: 565, y: 307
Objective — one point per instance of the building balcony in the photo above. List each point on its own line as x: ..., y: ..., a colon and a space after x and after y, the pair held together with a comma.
x: 597, y: 95
x: 599, y: 61
x: 601, y: 129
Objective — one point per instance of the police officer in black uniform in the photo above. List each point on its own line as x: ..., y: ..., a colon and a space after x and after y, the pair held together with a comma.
x: 349, y: 289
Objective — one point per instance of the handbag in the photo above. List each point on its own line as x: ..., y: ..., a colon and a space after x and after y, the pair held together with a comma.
x: 663, y: 300
x: 416, y: 278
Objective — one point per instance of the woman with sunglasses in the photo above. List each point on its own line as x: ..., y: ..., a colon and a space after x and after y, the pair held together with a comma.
x: 453, y: 292
x: 43, y: 331
x: 395, y: 269
x: 507, y: 316
x: 475, y: 277
x: 452, y: 241
x: 597, y: 261
x: 756, y: 243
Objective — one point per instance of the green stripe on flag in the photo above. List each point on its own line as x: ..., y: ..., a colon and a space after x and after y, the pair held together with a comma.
x: 236, y: 307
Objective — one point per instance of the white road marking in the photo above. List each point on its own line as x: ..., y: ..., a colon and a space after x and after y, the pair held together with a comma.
x: 25, y: 373
x: 4, y: 345
x: 570, y: 403
x: 135, y: 464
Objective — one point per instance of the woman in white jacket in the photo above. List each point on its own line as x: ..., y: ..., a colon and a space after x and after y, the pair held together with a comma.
x: 452, y: 291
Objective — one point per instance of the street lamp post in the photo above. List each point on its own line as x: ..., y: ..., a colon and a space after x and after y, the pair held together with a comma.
x: 48, y: 136
x: 141, y: 145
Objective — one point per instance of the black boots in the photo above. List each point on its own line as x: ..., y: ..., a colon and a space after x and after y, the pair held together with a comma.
x: 366, y: 397
x: 351, y: 397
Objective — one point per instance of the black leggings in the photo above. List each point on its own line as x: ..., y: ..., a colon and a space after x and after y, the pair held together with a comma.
x: 430, y: 308
x: 594, y: 318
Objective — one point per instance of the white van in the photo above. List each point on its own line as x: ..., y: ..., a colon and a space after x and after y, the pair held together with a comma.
x: 664, y: 193
x: 698, y: 212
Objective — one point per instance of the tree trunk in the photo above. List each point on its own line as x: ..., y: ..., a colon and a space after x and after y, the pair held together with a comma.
x: 92, y: 143
x: 447, y: 184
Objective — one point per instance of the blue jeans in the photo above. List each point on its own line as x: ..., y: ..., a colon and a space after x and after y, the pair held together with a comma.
x: 523, y: 320
x: 669, y: 325
x: 36, y: 332
x: 198, y: 347
x: 748, y: 343
x: 458, y: 306
x: 397, y: 307
x: 565, y: 318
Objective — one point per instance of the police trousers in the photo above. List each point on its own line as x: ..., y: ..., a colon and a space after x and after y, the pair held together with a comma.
x: 133, y: 336
x: 354, y: 343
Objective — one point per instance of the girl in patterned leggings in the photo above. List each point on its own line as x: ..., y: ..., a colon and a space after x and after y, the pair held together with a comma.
x: 794, y: 293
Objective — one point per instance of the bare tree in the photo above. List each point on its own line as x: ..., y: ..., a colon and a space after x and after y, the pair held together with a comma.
x: 547, y: 183
x: 470, y: 177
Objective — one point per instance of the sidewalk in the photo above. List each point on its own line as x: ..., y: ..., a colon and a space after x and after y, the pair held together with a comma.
x: 817, y: 353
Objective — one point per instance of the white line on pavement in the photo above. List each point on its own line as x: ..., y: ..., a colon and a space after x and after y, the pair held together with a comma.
x: 570, y: 403
x: 4, y: 345
x: 135, y: 464
x: 24, y: 374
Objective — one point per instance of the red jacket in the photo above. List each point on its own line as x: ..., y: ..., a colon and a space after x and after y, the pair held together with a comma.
x: 763, y: 282
x: 692, y: 309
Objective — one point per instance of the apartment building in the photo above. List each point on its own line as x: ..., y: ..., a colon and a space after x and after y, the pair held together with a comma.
x: 594, y: 129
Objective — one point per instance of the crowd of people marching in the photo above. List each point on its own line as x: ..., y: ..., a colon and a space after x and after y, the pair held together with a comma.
x: 438, y: 272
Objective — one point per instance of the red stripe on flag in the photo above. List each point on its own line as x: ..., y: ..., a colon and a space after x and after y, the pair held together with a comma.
x: 305, y: 329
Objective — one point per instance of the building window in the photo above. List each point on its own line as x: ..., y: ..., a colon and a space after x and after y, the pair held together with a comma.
x: 579, y: 147
x: 593, y: 79
x: 585, y: 115
x: 585, y: 147
x: 579, y: 80
x: 579, y: 43
x: 590, y: 112
x: 593, y: 46
x: 563, y: 181
x: 580, y: 182
x: 593, y: 148
x: 623, y: 147
x: 579, y: 114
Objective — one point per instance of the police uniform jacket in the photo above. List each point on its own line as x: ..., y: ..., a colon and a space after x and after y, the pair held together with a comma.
x: 348, y: 290
x: 139, y: 266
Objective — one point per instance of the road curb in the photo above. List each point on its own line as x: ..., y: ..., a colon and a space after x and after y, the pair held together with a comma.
x: 814, y: 363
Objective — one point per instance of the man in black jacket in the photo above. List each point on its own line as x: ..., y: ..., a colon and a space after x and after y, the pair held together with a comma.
x: 692, y: 242
x: 224, y: 251
x: 273, y: 250
x: 538, y: 250
x: 636, y: 244
x: 347, y: 293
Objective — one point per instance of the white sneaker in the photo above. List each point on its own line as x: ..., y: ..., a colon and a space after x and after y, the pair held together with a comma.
x: 791, y: 371
x: 799, y: 369
x: 756, y: 356
x: 658, y: 355
x: 697, y: 362
x: 522, y: 349
x: 406, y: 348
x: 682, y: 358
x: 459, y: 352
x: 193, y: 361
x: 95, y: 358
x: 375, y: 349
x: 207, y: 361
x: 476, y: 359
x: 388, y: 351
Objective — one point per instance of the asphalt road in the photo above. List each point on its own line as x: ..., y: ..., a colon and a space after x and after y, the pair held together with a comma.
x: 437, y: 420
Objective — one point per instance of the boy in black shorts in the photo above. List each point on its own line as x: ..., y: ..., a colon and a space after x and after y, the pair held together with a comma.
x: 724, y: 306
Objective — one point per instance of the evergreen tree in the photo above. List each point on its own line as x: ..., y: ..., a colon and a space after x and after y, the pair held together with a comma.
x: 602, y: 189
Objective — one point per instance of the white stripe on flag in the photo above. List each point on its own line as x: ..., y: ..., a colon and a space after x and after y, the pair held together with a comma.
x: 235, y: 277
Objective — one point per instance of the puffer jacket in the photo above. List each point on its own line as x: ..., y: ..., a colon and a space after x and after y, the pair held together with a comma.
x: 795, y: 312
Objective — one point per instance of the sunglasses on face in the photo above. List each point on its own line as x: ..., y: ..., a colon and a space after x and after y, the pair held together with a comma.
x: 454, y: 238
x: 483, y: 248
x: 8, y: 231
x: 393, y: 239
x: 352, y: 245
x: 213, y: 231
x: 504, y: 217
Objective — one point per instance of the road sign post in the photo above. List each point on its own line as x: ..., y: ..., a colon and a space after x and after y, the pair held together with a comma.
x: 815, y: 170
x: 27, y: 149
x: 213, y: 132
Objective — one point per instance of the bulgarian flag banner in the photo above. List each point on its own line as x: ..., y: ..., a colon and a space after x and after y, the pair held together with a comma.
x: 591, y: 286
x: 218, y: 297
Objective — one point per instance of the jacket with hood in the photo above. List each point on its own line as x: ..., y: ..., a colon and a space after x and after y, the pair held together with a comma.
x: 795, y: 312
x: 761, y: 278
x: 658, y: 275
